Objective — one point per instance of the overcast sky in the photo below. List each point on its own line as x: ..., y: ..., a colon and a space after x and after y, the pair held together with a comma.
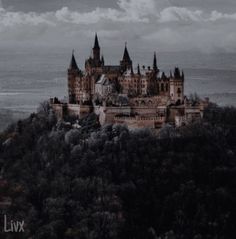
x: 169, y: 25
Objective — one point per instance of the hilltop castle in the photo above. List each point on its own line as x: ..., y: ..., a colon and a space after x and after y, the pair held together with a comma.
x: 119, y: 94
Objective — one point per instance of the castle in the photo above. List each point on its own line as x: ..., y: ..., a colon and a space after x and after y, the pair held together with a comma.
x: 143, y: 97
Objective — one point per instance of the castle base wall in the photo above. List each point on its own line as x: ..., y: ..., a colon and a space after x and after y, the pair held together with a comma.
x: 62, y: 110
x: 152, y: 122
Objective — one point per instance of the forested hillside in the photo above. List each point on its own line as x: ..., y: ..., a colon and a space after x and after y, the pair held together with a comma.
x: 111, y: 183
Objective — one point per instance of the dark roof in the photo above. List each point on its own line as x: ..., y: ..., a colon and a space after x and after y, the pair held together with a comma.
x: 126, y: 56
x: 111, y: 68
x: 73, y: 64
x: 177, y: 72
x: 96, y: 43
x: 138, y: 70
x: 155, y: 62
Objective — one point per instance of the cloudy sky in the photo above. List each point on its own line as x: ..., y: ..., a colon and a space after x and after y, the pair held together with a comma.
x: 169, y: 25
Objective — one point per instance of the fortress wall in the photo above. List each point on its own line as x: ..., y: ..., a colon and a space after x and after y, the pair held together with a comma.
x: 73, y: 110
x: 107, y: 114
x: 175, y: 111
x: 58, y: 110
x: 85, y: 110
x: 144, y: 110
x: 133, y: 123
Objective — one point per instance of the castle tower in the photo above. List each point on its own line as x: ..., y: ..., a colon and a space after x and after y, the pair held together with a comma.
x: 102, y: 60
x: 177, y: 86
x: 126, y: 62
x: 138, y: 70
x: 96, y: 52
x: 155, y: 68
x: 73, y: 73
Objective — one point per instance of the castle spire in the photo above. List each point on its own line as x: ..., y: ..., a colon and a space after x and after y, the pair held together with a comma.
x: 126, y: 62
x: 96, y: 42
x: 177, y: 73
x: 183, y: 74
x: 126, y: 56
x: 73, y: 63
x: 102, y: 60
x: 139, y: 73
x: 96, y: 51
x: 155, y: 68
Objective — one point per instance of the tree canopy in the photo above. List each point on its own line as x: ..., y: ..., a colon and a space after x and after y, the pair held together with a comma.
x: 109, y: 182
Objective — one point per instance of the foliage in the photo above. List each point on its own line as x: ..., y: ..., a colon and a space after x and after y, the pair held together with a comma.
x: 109, y: 182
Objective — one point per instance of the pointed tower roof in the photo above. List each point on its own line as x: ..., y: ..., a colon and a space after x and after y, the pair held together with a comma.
x: 177, y: 73
x: 73, y: 63
x: 163, y: 76
x: 102, y: 60
x: 139, y: 73
x: 126, y: 56
x: 155, y: 68
x: 96, y: 43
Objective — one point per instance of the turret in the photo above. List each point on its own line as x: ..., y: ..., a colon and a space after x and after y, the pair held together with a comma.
x: 163, y: 76
x: 73, y: 73
x: 177, y: 73
x: 182, y: 75
x: 103, y: 61
x: 73, y: 64
x: 126, y: 62
x: 177, y: 87
x: 96, y: 49
x: 155, y: 68
x: 138, y: 70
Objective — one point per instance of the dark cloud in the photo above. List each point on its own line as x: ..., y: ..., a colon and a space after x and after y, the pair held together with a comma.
x: 52, y: 5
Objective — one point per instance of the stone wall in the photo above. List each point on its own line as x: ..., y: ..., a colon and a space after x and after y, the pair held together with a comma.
x: 135, y: 122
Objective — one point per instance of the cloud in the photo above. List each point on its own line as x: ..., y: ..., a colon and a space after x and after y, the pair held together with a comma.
x: 99, y: 14
x: 129, y: 11
x: 138, y: 8
x: 148, y: 23
x: 183, y: 14
x: 215, y: 16
x: 8, y: 19
x: 172, y: 14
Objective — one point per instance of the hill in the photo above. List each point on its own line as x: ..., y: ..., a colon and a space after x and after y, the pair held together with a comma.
x: 109, y: 182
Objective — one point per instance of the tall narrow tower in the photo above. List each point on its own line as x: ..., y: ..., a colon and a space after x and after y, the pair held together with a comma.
x: 73, y: 73
x: 155, y: 68
x: 126, y: 62
x: 96, y: 51
x: 177, y: 86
